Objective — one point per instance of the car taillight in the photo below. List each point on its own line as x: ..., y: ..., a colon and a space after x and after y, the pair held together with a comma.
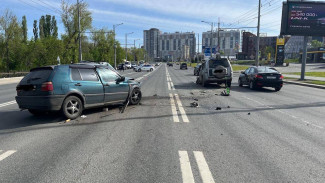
x: 47, y: 86
x: 259, y: 76
x: 281, y: 77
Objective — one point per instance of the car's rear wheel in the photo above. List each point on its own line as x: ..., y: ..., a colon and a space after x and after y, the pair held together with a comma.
x: 36, y: 112
x: 72, y: 107
x: 136, y: 96
x: 139, y: 70
x: 240, y: 83
x: 151, y: 70
x: 277, y: 88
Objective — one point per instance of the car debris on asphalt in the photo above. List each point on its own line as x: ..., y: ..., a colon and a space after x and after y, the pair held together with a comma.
x: 218, y: 108
x: 194, y: 104
x: 83, y: 116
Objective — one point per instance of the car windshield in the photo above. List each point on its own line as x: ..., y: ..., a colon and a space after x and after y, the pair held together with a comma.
x: 218, y: 62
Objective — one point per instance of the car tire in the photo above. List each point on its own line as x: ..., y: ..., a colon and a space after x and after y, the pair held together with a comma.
x: 136, y: 96
x: 151, y: 70
x: 252, y: 85
x: 139, y: 70
x: 240, y: 83
x: 72, y: 107
x: 203, y: 82
x: 277, y: 88
x: 36, y: 112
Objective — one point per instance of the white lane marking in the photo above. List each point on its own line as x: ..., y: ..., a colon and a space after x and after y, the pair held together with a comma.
x: 187, y: 174
x: 6, y: 154
x: 203, y: 167
x: 168, y: 84
x: 290, y: 115
x: 181, y: 109
x: 8, y: 103
x: 172, y: 85
x: 173, y: 106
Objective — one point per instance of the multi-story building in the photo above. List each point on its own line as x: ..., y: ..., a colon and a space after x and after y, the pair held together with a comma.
x: 150, y: 42
x: 230, y: 41
x: 177, y: 46
x: 248, y: 46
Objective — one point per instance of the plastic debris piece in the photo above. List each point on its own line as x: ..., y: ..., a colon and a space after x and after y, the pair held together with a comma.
x: 68, y: 120
x: 228, y: 106
x: 195, y: 99
x: 194, y: 104
x: 249, y: 113
x: 83, y: 116
x: 218, y: 108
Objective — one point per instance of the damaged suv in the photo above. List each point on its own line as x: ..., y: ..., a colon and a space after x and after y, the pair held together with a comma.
x: 216, y: 70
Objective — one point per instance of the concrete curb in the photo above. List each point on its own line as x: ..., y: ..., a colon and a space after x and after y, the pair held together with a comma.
x: 305, y: 84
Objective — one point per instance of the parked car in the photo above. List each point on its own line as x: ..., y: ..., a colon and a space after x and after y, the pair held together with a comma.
x: 197, y: 69
x: 147, y: 68
x: 133, y: 65
x: 121, y: 67
x: 128, y: 65
x: 216, y: 70
x: 73, y: 88
x: 257, y: 77
x: 170, y: 64
x: 183, y: 66
x: 138, y: 68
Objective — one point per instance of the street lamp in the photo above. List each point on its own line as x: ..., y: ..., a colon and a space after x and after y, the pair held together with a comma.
x: 134, y: 49
x: 114, y: 26
x: 126, y: 45
x: 210, y: 23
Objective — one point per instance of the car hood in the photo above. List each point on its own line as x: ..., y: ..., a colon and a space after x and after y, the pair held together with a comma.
x: 131, y: 81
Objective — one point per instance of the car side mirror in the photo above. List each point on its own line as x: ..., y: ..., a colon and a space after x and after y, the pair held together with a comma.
x: 120, y: 79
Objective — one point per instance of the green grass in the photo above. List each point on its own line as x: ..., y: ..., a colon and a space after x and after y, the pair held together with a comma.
x: 314, y: 74
x: 239, y: 67
x: 315, y: 82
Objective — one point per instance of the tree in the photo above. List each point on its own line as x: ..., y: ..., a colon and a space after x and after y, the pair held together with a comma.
x: 35, y: 30
x: 54, y: 28
x: 47, y: 26
x: 316, y: 44
x: 41, y: 27
x: 24, y: 29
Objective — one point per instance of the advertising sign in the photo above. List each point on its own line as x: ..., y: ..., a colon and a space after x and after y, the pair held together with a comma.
x: 303, y: 18
x: 207, y: 52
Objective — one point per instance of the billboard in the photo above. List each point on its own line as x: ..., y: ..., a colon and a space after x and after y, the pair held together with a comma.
x: 303, y: 18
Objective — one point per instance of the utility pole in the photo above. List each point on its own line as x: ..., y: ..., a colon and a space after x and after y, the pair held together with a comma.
x: 114, y: 27
x: 126, y: 45
x: 258, y: 34
x: 79, y: 32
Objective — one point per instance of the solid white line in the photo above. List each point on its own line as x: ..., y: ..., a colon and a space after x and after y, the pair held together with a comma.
x: 203, y: 167
x: 187, y: 174
x: 172, y: 85
x: 6, y: 154
x: 168, y: 84
x: 173, y: 106
x: 181, y: 109
x: 8, y: 103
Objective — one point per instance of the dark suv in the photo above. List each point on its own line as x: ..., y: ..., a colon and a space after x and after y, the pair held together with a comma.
x: 183, y: 66
x: 73, y: 88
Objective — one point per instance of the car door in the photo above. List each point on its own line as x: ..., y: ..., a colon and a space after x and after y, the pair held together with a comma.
x: 246, y: 76
x: 251, y: 74
x: 87, y: 82
x: 115, y: 92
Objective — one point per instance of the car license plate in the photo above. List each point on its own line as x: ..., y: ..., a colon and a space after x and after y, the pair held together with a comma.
x: 271, y: 77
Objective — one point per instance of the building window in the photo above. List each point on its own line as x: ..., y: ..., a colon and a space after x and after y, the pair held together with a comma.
x: 231, y: 42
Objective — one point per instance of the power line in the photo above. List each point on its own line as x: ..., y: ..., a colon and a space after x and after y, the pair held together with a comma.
x: 55, y: 8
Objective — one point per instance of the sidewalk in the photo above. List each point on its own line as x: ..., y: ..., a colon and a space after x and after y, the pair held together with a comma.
x: 306, y: 77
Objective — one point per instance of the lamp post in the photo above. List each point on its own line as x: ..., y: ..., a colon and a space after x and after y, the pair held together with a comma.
x: 210, y: 23
x: 135, y: 48
x: 126, y: 45
x: 114, y: 27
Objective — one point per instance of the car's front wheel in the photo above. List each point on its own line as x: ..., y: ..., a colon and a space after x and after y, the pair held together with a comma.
x: 252, y: 85
x: 136, y: 96
x: 240, y: 83
x: 151, y: 70
x: 72, y: 107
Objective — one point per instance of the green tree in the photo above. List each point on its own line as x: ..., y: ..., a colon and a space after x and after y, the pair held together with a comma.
x: 35, y: 30
x: 316, y: 44
x: 24, y: 29
x: 47, y: 26
x: 54, y: 27
x: 41, y: 27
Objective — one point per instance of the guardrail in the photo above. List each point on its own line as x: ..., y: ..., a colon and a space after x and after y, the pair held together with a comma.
x: 13, y: 74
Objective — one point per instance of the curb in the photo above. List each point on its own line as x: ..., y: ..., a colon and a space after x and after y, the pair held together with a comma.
x: 305, y: 84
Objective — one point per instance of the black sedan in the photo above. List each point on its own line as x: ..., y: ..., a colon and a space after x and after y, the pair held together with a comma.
x: 257, y: 77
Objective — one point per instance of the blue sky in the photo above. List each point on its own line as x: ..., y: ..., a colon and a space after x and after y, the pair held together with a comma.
x: 166, y: 15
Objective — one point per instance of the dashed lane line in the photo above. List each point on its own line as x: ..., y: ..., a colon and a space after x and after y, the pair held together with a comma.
x: 203, y: 167
x: 7, y: 103
x: 6, y: 154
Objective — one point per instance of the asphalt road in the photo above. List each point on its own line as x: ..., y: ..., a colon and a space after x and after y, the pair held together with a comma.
x: 263, y: 136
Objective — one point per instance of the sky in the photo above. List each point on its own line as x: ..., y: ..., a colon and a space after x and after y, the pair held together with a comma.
x: 166, y: 15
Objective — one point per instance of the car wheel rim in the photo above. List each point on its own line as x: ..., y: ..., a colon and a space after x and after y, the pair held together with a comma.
x: 73, y: 107
x: 136, y: 96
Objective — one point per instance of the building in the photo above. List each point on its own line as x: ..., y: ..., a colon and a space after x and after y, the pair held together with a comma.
x: 177, y: 46
x: 150, y: 42
x: 248, y: 47
x: 230, y: 41
x: 267, y: 42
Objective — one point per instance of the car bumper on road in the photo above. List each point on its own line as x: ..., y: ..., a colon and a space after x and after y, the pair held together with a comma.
x: 269, y: 84
x: 49, y: 103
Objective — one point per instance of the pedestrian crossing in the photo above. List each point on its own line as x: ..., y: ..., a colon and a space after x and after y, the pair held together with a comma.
x: 5, y: 154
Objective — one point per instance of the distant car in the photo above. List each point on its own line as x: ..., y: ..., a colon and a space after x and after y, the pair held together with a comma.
x: 73, y: 88
x: 197, y: 69
x: 121, y: 67
x: 148, y: 68
x: 133, y: 65
x: 183, y: 66
x: 128, y: 65
x: 138, y: 68
x: 257, y: 77
x: 170, y: 64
